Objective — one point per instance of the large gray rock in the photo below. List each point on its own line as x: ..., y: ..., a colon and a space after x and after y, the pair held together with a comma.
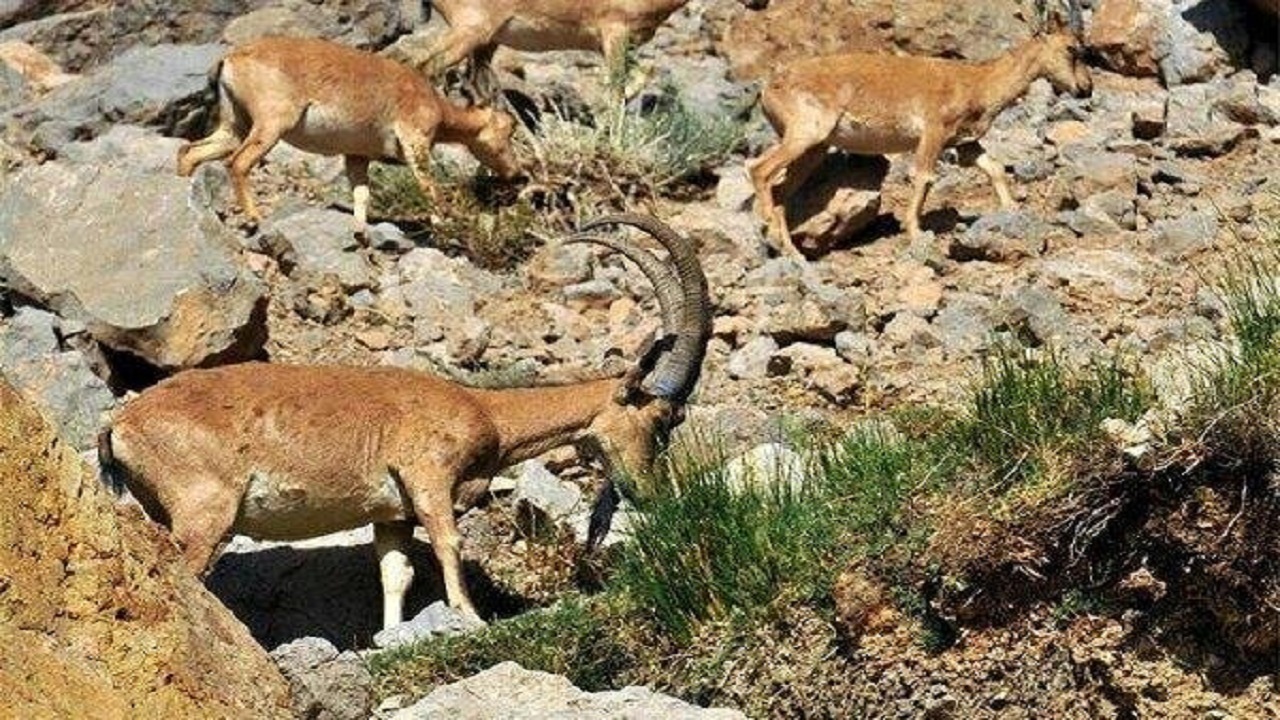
x: 133, y: 257
x: 59, y: 381
x: 129, y: 146
x: 326, y: 684
x: 1183, y: 41
x: 318, y: 242
x: 162, y: 86
x: 507, y: 690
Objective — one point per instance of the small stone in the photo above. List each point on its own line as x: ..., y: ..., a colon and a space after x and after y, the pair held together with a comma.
x: 751, y: 361
x: 435, y: 620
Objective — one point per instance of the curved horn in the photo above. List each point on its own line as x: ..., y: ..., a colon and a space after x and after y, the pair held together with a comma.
x: 665, y: 283
x: 677, y: 371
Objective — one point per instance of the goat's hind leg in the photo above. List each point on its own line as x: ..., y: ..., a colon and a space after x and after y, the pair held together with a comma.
x: 218, y: 145
x: 262, y: 137
x: 391, y: 541
x: 201, y: 525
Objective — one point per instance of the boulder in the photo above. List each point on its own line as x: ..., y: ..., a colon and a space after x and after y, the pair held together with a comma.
x: 134, y: 258
x: 128, y: 146
x: 99, y: 617
x: 1182, y: 41
x: 837, y: 201
x: 58, y: 380
x: 326, y: 684
x: 317, y: 242
x: 1002, y: 236
x: 508, y: 690
x: 162, y: 86
x: 435, y: 620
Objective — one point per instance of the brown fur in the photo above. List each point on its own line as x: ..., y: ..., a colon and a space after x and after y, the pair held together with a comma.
x: 607, y: 26
x: 881, y: 104
x: 324, y: 445
x: 331, y: 99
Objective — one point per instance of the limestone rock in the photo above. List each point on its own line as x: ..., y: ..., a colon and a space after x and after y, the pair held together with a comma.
x: 60, y: 381
x: 326, y: 684
x: 435, y: 620
x: 508, y: 690
x: 316, y: 242
x: 133, y: 257
x: 162, y: 86
x: 98, y: 615
x: 836, y: 202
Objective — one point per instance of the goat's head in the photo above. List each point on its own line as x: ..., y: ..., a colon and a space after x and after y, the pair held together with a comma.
x: 492, y: 143
x: 650, y: 401
x: 1063, y: 50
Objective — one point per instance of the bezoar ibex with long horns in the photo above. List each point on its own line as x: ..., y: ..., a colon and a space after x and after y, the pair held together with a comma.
x: 871, y: 104
x: 330, y: 99
x: 288, y: 452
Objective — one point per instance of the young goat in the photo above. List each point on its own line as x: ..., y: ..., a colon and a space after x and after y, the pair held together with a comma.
x: 327, y: 98
x: 880, y: 104
x: 609, y: 26
x: 289, y: 452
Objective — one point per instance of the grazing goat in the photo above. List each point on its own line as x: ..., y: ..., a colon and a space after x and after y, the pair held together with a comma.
x: 476, y: 29
x: 872, y: 104
x: 327, y: 98
x: 289, y: 452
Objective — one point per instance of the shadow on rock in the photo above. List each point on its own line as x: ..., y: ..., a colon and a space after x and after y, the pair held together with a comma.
x: 285, y: 593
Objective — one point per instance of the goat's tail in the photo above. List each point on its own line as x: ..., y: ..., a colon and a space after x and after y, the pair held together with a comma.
x: 602, y: 512
x: 109, y: 470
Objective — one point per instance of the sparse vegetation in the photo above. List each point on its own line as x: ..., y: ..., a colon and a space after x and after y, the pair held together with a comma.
x: 624, y: 154
x: 478, y: 219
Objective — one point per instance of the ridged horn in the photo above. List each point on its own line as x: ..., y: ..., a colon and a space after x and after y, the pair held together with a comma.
x: 677, y: 371
x: 666, y: 286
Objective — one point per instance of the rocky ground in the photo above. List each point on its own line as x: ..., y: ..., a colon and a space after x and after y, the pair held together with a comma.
x: 116, y: 272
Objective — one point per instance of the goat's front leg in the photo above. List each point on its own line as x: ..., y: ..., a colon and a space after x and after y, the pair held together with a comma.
x: 922, y: 176
x: 432, y: 495
x: 999, y: 180
x: 766, y: 173
x: 416, y: 146
x: 358, y: 175
x: 391, y: 540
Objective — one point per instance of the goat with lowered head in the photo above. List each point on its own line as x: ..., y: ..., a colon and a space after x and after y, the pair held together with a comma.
x: 289, y: 452
x: 476, y: 29
x: 871, y: 104
x: 330, y: 99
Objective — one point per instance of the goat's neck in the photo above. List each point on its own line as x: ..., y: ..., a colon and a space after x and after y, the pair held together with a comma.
x: 531, y: 421
x: 458, y: 124
x: 1008, y: 77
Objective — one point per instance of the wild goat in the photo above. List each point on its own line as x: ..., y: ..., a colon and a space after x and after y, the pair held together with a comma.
x: 330, y: 99
x: 872, y: 104
x: 289, y: 452
x: 476, y: 29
